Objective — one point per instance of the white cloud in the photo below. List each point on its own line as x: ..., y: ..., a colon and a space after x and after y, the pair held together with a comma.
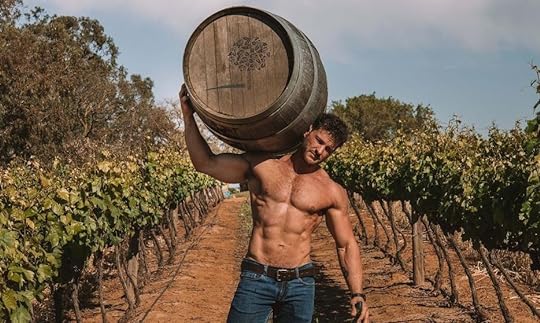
x: 339, y: 27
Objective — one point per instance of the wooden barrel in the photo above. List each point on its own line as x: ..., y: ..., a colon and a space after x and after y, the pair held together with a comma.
x: 254, y: 79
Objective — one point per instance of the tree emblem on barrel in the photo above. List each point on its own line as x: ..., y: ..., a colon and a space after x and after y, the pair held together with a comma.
x: 249, y: 54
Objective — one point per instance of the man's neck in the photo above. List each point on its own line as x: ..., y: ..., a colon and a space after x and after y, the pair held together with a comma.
x: 299, y: 164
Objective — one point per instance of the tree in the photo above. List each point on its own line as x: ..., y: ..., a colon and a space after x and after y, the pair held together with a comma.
x: 9, y: 10
x: 62, y: 92
x: 139, y: 123
x: 533, y: 125
x: 380, y: 118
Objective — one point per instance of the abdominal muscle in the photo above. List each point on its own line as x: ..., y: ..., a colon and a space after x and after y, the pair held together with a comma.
x: 281, y: 235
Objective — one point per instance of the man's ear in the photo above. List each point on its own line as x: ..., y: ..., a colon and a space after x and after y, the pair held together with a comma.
x: 309, y: 130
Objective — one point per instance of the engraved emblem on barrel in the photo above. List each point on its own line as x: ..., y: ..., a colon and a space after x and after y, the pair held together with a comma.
x: 249, y: 54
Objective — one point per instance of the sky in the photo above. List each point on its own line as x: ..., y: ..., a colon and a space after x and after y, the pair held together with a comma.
x: 465, y: 58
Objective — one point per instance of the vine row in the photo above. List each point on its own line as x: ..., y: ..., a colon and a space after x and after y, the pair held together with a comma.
x: 52, y: 221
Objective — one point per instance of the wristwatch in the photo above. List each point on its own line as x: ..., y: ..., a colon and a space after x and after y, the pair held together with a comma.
x: 353, y: 295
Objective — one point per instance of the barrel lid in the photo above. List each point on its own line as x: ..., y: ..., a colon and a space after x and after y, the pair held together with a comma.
x: 237, y: 64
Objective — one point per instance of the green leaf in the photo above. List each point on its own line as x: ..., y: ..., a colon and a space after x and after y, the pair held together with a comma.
x: 17, y: 214
x: 98, y: 202
x: 44, y: 181
x: 30, y: 224
x: 57, y: 209
x: 8, y: 239
x: 53, y: 260
x: 53, y: 238
x: 44, y: 272
x: 63, y: 194
x: 26, y: 297
x: 20, y: 315
x: 9, y: 298
x: 48, y: 203
x: 28, y: 274
x: 104, y: 166
x: 74, y: 198
x: 14, y: 277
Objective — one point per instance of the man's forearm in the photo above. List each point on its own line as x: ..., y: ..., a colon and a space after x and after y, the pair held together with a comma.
x: 351, y: 266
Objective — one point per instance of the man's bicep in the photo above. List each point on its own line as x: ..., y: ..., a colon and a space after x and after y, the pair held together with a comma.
x: 229, y: 168
x: 340, y: 227
x: 338, y: 222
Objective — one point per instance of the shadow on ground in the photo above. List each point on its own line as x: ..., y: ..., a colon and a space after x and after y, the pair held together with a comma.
x: 331, y: 301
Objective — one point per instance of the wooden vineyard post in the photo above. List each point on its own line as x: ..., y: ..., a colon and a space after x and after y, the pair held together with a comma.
x: 173, y: 218
x: 418, y: 251
x: 132, y: 268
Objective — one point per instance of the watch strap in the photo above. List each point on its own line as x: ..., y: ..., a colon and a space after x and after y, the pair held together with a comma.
x: 353, y: 295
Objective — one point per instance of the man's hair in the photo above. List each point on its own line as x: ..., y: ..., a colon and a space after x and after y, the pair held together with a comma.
x: 334, y: 125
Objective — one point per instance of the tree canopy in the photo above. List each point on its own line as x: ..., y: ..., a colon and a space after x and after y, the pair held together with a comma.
x: 380, y: 118
x: 533, y: 125
x: 62, y: 91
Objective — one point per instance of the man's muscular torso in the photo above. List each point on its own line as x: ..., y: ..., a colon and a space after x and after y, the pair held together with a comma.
x: 286, y: 207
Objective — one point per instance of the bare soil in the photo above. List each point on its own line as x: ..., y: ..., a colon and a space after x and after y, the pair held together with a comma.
x: 199, y: 285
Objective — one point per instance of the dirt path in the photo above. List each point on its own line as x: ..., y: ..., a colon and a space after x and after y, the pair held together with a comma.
x: 199, y: 285
x: 201, y: 288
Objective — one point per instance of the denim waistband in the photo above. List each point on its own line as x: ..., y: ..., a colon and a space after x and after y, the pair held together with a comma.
x: 305, y: 266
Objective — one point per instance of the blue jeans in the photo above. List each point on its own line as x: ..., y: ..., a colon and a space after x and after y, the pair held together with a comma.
x: 257, y: 295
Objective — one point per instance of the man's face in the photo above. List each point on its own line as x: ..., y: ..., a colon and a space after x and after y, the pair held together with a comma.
x: 318, y: 145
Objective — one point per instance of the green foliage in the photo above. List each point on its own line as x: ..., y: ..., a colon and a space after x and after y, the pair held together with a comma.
x: 487, y: 186
x: 51, y: 221
x: 533, y: 125
x: 531, y: 207
x: 379, y: 118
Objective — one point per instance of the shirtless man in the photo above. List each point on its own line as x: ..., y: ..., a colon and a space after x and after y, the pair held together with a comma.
x: 289, y: 197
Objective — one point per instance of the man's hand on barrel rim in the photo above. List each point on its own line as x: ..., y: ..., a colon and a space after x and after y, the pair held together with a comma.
x: 185, y: 102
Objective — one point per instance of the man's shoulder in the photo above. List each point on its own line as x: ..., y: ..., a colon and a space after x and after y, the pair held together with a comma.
x: 329, y: 184
x: 334, y: 189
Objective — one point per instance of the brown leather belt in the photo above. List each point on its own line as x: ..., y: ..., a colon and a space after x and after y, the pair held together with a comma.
x: 280, y: 274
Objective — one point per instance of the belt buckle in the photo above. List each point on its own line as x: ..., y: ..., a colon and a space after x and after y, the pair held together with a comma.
x: 279, y: 272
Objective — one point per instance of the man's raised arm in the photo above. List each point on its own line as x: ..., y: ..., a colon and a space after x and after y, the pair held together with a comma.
x: 339, y: 225
x: 229, y: 168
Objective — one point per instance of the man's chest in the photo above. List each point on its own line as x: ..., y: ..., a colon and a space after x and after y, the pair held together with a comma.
x: 305, y: 192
